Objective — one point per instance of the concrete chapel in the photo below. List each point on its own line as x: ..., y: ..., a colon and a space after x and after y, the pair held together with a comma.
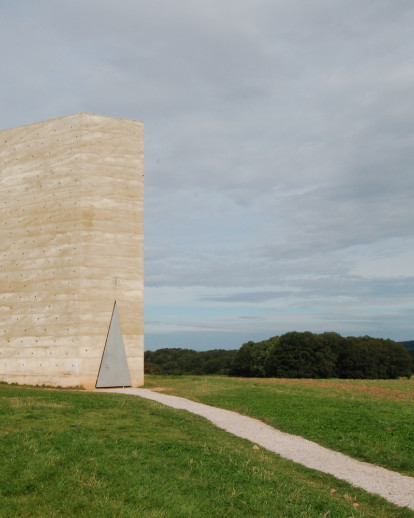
x: 71, y: 252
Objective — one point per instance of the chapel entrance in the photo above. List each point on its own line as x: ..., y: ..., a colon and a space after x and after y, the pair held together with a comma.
x: 114, y: 371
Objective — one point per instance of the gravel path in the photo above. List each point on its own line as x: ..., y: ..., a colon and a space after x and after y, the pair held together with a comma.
x: 394, y: 487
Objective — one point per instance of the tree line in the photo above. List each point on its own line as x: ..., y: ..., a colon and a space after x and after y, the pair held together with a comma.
x: 409, y: 345
x: 176, y: 361
x: 326, y: 355
x: 291, y: 355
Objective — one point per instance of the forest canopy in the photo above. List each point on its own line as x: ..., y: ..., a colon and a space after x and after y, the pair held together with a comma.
x: 178, y: 361
x: 326, y: 355
x: 291, y: 355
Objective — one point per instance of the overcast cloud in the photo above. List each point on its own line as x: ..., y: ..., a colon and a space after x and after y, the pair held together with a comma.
x: 279, y: 143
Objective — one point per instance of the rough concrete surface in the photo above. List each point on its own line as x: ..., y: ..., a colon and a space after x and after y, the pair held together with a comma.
x: 394, y: 487
x: 71, y: 244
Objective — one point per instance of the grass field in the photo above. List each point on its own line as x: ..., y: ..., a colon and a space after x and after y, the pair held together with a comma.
x: 70, y: 453
x: 369, y: 420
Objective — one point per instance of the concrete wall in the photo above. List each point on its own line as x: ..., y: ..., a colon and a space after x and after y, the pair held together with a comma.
x: 71, y: 244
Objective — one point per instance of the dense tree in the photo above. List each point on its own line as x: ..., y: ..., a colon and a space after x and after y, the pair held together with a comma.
x: 400, y: 360
x: 292, y: 355
x: 409, y: 345
x: 326, y: 355
x: 300, y: 355
x: 250, y: 360
x: 242, y: 361
x: 177, y: 361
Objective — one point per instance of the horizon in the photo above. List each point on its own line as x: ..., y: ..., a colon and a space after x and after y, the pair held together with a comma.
x: 178, y: 343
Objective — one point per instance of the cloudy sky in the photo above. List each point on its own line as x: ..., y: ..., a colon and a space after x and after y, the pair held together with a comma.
x: 279, y: 152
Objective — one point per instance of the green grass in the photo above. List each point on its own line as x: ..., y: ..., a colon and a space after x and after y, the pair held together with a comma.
x: 67, y: 453
x: 369, y: 420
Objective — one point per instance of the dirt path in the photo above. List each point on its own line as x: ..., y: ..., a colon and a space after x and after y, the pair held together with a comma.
x: 394, y: 487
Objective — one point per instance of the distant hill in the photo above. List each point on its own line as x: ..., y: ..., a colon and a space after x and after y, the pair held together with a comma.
x: 408, y: 345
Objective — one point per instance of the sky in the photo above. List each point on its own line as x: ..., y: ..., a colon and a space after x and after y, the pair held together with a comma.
x: 279, y: 152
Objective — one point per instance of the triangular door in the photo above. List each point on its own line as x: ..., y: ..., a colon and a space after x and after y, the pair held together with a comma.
x: 114, y: 371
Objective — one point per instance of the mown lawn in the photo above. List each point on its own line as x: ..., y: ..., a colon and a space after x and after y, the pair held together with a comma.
x: 369, y: 420
x: 68, y: 453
